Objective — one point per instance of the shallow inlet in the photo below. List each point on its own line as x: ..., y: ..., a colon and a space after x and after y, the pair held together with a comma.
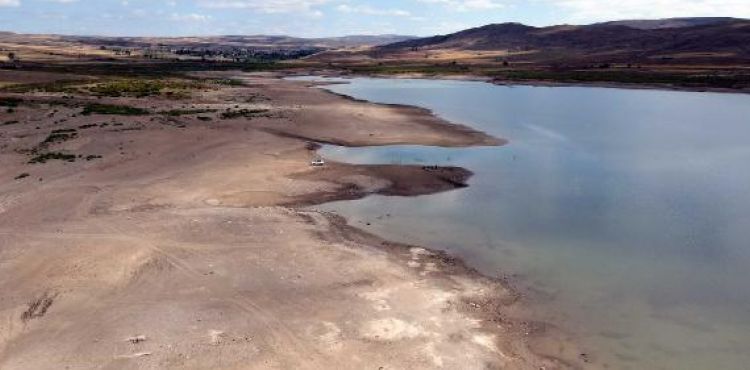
x: 625, y: 211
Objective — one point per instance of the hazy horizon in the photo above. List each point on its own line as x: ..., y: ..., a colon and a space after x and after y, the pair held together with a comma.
x: 328, y: 18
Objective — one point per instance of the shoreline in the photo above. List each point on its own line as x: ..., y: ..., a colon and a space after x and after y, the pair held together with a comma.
x: 533, y: 83
x: 188, y: 232
x: 479, y: 138
x: 450, y: 264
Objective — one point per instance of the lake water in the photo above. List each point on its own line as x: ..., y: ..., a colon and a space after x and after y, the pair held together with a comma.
x: 626, y: 212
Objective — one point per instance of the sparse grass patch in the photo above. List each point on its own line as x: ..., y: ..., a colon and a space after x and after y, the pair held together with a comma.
x: 63, y: 86
x: 137, y: 88
x: 246, y: 113
x: 227, y: 82
x: 160, y: 69
x: 10, y: 102
x: 187, y: 112
x: 59, y: 136
x: 45, y: 157
x: 121, y: 110
x: 140, y: 88
x: 22, y: 176
x: 64, y: 131
x: 629, y: 77
x: 8, y: 123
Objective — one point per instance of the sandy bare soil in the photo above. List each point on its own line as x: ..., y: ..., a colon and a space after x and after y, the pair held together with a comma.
x: 172, y: 241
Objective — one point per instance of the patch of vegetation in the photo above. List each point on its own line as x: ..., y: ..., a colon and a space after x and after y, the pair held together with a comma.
x: 64, y: 131
x: 186, y: 112
x: 44, y: 157
x: 8, y: 123
x: 134, y: 128
x: 59, y: 136
x: 140, y: 88
x: 10, y: 102
x: 246, y: 113
x: 92, y: 157
x: 598, y: 72
x: 38, y: 307
x: 62, y: 86
x: 84, y: 127
x: 730, y: 81
x: 227, y: 82
x: 22, y: 176
x: 121, y: 110
x: 268, y: 66
x: 204, y: 119
x: 131, y: 87
x: 159, y: 69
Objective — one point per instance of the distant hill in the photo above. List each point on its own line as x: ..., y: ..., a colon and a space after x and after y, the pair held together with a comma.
x: 363, y: 40
x: 245, y: 41
x: 722, y: 39
x: 653, y: 24
x: 239, y: 41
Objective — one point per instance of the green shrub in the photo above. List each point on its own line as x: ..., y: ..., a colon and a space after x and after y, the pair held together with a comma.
x: 144, y: 87
x: 137, y: 88
x: 59, y: 137
x: 228, y: 82
x: 185, y: 112
x: 43, y: 158
x: 64, y: 131
x: 247, y: 113
x: 10, y: 102
x: 121, y: 110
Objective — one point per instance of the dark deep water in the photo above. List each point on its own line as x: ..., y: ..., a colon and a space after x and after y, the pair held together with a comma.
x: 628, y: 211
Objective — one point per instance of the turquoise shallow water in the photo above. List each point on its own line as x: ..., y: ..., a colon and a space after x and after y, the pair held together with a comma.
x: 626, y: 211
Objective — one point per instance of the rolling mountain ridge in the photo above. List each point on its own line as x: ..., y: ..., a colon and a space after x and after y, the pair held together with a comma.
x: 725, y: 39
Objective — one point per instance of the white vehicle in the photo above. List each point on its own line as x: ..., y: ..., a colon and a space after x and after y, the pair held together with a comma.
x: 318, y: 162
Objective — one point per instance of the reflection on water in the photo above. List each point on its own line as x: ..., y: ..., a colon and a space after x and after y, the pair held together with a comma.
x: 629, y: 207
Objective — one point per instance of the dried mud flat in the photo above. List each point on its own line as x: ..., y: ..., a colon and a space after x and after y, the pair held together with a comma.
x: 157, y: 240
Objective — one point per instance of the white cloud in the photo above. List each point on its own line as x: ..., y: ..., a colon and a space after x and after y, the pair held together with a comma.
x: 192, y: 17
x: 583, y: 11
x: 368, y: 10
x: 265, y: 6
x: 466, y: 5
x: 10, y: 2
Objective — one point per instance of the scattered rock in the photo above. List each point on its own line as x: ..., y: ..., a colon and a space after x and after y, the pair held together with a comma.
x: 136, y: 339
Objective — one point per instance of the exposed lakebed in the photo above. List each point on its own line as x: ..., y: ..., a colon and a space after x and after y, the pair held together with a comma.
x: 625, y: 213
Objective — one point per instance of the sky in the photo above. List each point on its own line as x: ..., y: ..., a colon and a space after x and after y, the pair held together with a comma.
x: 324, y: 18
